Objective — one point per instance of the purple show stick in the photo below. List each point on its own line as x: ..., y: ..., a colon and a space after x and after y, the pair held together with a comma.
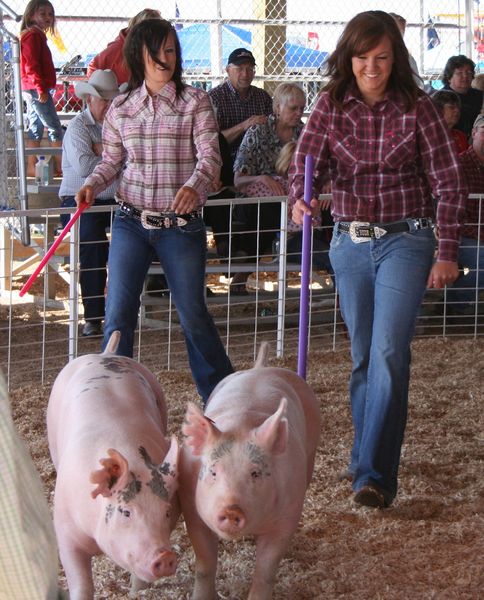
x: 305, y: 271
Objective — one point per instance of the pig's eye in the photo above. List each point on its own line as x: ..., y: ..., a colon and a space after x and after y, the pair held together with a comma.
x: 168, y: 514
x: 213, y: 473
x: 255, y: 474
x: 126, y: 513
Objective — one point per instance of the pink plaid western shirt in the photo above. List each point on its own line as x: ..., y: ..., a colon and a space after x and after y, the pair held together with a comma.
x: 384, y: 164
x: 159, y: 144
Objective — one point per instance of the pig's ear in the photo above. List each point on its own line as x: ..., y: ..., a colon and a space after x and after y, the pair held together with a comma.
x: 113, y: 474
x: 170, y: 471
x: 272, y: 434
x: 198, y: 430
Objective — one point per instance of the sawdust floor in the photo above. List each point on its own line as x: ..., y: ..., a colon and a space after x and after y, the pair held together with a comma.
x: 429, y: 544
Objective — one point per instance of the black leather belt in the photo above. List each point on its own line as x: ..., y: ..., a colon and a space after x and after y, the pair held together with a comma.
x: 360, y: 231
x: 158, y: 220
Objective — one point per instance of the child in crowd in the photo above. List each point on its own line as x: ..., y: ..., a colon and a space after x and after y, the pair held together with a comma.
x: 38, y: 78
x: 449, y: 106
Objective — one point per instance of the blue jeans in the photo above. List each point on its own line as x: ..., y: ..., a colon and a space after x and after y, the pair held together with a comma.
x: 471, y: 257
x: 182, y: 254
x: 381, y: 284
x: 93, y: 256
x: 40, y: 115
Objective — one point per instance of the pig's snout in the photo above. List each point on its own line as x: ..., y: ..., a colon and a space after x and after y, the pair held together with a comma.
x: 231, y: 519
x: 164, y: 564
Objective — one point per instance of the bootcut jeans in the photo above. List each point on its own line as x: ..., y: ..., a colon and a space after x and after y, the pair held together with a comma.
x: 182, y: 253
x: 381, y: 284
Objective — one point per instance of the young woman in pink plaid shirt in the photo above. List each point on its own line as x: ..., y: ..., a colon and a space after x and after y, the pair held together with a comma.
x: 161, y: 139
x: 386, y: 150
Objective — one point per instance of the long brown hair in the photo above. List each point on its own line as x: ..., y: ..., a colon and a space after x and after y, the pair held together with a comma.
x: 361, y: 34
x: 29, y: 12
x: 150, y: 34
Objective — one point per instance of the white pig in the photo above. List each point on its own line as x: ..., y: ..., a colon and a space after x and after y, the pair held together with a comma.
x: 111, y: 410
x: 245, y: 467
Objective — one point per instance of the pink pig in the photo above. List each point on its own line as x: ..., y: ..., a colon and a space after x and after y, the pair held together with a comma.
x: 245, y: 468
x: 111, y: 410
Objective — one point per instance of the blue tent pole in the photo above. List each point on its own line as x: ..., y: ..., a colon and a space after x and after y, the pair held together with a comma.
x: 305, y: 271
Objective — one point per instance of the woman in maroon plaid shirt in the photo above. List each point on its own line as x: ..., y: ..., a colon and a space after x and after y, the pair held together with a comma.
x: 382, y: 143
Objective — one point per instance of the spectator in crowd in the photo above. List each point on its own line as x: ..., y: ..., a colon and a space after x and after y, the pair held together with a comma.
x: 321, y: 236
x: 112, y: 56
x: 28, y: 548
x: 478, y: 82
x: 82, y: 150
x: 458, y: 75
x: 449, y: 107
x: 255, y: 165
x: 237, y: 103
x: 462, y: 296
x: 161, y: 139
x: 385, y: 147
x: 402, y: 25
x: 38, y: 78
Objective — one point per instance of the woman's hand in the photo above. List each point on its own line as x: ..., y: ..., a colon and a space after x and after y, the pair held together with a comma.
x: 85, y: 196
x: 443, y: 273
x: 300, y: 209
x: 186, y: 200
x: 43, y: 97
x: 272, y: 184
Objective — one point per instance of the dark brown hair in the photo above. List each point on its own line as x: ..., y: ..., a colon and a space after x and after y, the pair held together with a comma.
x: 361, y: 34
x: 152, y: 35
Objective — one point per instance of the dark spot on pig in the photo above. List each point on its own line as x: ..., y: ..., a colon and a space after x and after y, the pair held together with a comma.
x: 99, y: 377
x: 129, y: 492
x: 222, y: 449
x: 157, y: 483
x: 109, y: 512
x: 116, y: 364
x: 258, y: 458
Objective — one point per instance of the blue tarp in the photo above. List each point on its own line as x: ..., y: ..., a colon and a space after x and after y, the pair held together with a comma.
x: 195, y: 43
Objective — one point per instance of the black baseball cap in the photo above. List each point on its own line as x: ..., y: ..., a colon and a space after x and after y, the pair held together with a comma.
x: 239, y: 56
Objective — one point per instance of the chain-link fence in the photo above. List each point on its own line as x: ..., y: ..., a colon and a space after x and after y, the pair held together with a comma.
x: 289, y: 38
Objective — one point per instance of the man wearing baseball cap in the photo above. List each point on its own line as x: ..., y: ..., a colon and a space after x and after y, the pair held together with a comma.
x: 238, y: 104
x: 471, y: 249
x: 81, y: 152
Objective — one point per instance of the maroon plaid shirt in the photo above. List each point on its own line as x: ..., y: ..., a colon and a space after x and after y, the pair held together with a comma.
x: 231, y: 109
x: 474, y: 175
x: 384, y: 164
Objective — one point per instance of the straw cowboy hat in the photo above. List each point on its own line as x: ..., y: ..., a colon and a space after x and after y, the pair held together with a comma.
x: 102, y: 83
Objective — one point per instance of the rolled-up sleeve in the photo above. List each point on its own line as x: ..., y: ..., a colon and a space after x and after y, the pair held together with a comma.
x: 205, y: 137
x: 445, y: 176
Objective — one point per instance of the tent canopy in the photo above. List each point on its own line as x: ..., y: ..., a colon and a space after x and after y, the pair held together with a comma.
x: 195, y: 43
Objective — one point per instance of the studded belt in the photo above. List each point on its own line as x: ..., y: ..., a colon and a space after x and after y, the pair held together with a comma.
x: 360, y: 231
x: 158, y: 220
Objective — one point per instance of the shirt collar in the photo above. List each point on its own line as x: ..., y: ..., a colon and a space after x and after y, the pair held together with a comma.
x: 168, y: 92
x: 90, y: 118
x: 353, y: 94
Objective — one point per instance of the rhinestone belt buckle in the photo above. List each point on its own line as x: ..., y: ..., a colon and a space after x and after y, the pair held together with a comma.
x: 146, y: 214
x: 354, y: 225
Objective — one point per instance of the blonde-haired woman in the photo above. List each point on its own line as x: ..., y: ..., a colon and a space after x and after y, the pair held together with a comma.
x: 255, y: 165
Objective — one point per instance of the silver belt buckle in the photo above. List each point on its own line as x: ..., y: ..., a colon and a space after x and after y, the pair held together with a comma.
x: 149, y: 213
x: 354, y: 236
x: 181, y: 222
